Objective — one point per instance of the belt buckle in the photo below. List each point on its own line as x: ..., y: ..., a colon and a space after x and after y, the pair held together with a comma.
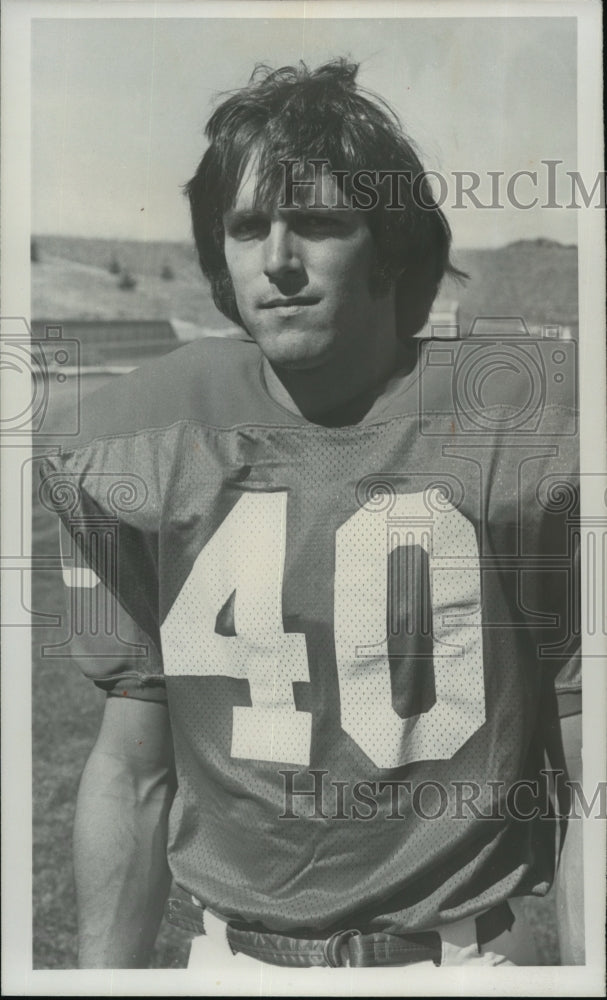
x: 332, y: 947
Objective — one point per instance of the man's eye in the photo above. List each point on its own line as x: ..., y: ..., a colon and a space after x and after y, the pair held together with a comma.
x: 247, y: 229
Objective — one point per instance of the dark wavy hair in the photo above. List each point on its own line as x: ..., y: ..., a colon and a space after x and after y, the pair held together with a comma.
x: 296, y: 113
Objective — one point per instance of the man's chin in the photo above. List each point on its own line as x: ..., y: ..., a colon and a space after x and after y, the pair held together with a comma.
x: 308, y: 364
x: 291, y: 353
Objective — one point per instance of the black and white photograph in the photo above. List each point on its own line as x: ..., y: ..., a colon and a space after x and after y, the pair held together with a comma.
x: 304, y: 499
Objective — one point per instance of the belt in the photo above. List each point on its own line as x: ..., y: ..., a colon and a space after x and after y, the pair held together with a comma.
x: 348, y: 947
x: 353, y: 948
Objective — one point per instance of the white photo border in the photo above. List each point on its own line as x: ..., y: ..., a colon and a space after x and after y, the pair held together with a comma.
x: 18, y: 976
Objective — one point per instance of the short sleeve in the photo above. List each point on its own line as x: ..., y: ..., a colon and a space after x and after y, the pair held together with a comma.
x: 109, y: 647
x: 107, y: 495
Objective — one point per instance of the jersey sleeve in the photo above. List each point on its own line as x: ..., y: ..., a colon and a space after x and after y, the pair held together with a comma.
x: 109, y: 647
x: 106, y: 493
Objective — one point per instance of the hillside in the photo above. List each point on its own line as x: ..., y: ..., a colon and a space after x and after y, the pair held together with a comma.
x: 72, y: 280
x: 535, y: 279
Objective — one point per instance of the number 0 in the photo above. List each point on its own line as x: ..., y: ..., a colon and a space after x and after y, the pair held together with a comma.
x: 363, y: 544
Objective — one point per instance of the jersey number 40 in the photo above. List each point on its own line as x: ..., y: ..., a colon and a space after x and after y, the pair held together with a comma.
x: 244, y: 561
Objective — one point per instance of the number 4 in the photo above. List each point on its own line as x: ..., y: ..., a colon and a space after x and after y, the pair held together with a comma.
x: 244, y: 562
x: 246, y: 555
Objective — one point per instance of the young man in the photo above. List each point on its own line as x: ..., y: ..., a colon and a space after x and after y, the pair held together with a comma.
x: 352, y: 589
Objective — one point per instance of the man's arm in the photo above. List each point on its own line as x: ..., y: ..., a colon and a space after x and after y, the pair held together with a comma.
x: 120, y: 835
x: 570, y: 875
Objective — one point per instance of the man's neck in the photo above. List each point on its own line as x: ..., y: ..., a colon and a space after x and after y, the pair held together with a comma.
x: 334, y: 395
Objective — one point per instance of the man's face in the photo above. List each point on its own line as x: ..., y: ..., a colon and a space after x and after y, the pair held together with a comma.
x: 302, y: 276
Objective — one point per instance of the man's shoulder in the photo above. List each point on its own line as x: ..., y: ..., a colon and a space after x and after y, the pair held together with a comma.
x: 500, y: 385
x: 193, y: 382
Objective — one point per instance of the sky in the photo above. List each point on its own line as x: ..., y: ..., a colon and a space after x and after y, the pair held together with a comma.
x: 119, y: 107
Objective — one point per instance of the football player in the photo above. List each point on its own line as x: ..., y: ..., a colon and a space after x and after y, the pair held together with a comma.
x: 344, y: 561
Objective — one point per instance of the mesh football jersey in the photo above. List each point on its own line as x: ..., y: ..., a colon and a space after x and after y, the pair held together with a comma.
x: 358, y: 627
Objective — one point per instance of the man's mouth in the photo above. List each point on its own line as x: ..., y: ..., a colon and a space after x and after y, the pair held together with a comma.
x: 289, y: 303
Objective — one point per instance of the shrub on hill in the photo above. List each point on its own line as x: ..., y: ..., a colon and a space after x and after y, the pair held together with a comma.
x: 127, y: 281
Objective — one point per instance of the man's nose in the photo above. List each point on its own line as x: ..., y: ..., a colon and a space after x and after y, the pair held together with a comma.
x: 281, y: 252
